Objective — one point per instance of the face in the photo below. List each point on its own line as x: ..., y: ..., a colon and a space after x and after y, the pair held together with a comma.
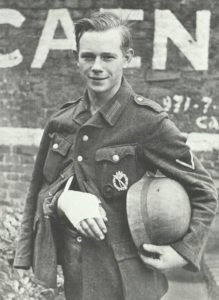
x: 101, y: 60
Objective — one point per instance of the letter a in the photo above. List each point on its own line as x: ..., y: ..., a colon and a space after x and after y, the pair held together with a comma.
x: 47, y: 41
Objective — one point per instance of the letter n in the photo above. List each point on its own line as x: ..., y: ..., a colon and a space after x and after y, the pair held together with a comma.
x: 167, y: 26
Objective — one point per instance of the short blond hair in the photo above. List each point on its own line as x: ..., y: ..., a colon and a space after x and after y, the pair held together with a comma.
x: 102, y: 22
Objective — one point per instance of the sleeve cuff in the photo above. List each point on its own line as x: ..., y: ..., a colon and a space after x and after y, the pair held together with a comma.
x: 50, y: 205
x: 186, y: 252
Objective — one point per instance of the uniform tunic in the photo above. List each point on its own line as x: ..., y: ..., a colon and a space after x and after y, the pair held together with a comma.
x: 107, y: 153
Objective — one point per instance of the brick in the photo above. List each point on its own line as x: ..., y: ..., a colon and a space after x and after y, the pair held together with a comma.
x: 28, y: 170
x: 5, y: 202
x: 11, y: 168
x: 25, y: 177
x: 16, y: 194
x: 2, y: 176
x: 18, y: 186
x: 66, y: 3
x: 12, y: 159
x: 26, y: 159
x: 13, y: 176
x: 4, y: 184
x: 106, y: 3
x: 28, y: 150
x: 4, y: 149
x: 29, y: 4
x: 3, y: 194
x: 19, y: 202
x: 86, y: 3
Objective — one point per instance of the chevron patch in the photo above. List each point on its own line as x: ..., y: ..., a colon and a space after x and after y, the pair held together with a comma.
x: 187, y: 160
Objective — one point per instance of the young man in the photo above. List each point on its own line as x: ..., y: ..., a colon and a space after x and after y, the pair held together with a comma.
x: 91, y: 152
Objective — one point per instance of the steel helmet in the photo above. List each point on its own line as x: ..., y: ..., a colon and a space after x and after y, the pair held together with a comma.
x: 158, y: 211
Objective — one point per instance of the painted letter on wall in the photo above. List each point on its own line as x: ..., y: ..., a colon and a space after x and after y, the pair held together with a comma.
x: 167, y: 26
x: 47, y: 41
x: 16, y: 19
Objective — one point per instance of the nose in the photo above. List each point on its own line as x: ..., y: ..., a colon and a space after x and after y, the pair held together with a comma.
x: 97, y: 67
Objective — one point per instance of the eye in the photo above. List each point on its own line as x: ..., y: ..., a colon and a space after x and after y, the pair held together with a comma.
x: 108, y: 57
x: 88, y: 57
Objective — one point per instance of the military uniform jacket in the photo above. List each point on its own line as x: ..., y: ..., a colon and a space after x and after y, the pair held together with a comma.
x: 107, y: 153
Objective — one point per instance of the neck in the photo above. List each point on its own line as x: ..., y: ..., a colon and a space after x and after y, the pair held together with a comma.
x: 97, y: 100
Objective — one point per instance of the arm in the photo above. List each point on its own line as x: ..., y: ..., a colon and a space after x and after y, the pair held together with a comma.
x: 167, y: 150
x: 23, y: 256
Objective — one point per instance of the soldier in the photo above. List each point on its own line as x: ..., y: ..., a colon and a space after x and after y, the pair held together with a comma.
x: 92, y: 150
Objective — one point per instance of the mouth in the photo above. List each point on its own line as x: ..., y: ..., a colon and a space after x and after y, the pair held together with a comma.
x: 97, y: 78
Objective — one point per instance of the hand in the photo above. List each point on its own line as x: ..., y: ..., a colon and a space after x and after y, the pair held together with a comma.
x: 161, y: 258
x: 85, y: 213
x: 94, y: 227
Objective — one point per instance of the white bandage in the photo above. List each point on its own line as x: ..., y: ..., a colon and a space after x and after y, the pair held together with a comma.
x: 78, y: 206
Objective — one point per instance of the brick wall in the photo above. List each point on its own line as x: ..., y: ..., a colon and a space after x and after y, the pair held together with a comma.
x: 16, y: 163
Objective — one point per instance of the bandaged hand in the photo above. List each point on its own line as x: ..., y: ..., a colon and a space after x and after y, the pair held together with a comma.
x: 85, y: 213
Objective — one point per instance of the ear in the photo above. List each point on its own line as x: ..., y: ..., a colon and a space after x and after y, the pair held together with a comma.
x: 128, y: 55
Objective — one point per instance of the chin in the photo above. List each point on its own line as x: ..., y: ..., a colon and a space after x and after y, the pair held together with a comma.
x: 98, y: 89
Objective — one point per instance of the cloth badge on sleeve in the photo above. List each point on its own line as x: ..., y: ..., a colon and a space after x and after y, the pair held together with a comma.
x: 187, y: 160
x: 120, y: 181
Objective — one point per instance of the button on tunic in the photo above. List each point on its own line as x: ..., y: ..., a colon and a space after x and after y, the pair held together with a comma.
x: 85, y: 138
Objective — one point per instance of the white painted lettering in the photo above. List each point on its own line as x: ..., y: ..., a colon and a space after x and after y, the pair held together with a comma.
x: 167, y: 26
x: 205, y: 122
x: 201, y: 122
x: 16, y: 19
x: 207, y: 102
x: 213, y: 123
x: 47, y: 41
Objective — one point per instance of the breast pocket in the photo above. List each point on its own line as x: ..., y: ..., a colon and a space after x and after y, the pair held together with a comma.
x: 56, y: 157
x: 116, y: 169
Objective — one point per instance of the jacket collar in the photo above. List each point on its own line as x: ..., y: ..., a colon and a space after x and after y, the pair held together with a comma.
x: 81, y: 112
x: 110, y: 111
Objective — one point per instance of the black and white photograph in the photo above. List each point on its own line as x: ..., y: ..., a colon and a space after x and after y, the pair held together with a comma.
x: 109, y: 149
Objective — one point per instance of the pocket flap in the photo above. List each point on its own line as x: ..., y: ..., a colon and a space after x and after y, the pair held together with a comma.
x: 60, y: 144
x: 114, y: 154
x: 124, y: 250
